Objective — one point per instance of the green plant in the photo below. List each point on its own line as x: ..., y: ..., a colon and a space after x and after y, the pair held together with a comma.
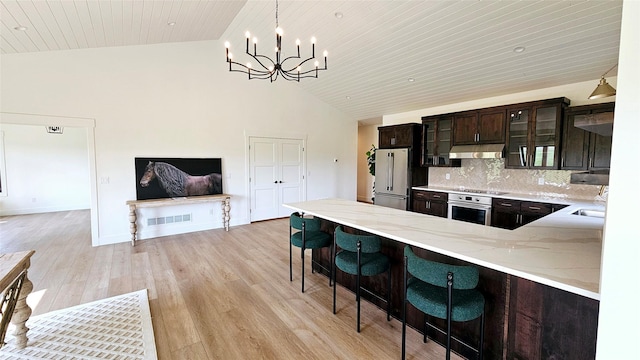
x: 371, y: 160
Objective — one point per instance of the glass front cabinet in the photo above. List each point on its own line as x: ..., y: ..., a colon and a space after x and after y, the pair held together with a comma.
x: 534, y: 134
x: 436, y: 141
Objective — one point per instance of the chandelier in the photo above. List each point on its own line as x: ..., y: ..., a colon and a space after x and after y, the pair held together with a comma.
x: 269, y: 69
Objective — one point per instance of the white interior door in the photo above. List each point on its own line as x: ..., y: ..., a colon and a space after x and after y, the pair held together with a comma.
x: 276, y: 176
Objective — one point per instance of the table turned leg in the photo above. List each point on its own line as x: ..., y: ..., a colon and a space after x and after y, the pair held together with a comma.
x: 21, y: 314
x: 225, y: 213
x: 132, y: 224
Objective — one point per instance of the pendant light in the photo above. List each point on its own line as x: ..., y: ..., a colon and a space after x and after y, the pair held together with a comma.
x: 603, y: 89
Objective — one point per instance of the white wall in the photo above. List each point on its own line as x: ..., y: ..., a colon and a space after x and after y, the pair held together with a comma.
x: 619, y: 316
x: 367, y: 136
x: 45, y: 172
x: 177, y: 100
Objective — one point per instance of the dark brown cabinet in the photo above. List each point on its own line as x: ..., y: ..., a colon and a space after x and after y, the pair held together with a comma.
x: 485, y: 126
x: 405, y: 136
x: 436, y: 141
x: 581, y: 149
x: 430, y: 202
x: 534, y: 134
x: 511, y: 214
x: 399, y: 136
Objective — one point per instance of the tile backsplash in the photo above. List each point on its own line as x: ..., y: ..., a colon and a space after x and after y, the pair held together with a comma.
x: 490, y: 174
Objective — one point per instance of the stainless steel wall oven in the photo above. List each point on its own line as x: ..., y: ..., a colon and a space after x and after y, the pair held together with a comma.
x: 473, y: 207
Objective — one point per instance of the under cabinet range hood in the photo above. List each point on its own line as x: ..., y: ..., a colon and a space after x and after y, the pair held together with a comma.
x: 599, y: 123
x: 593, y: 177
x: 484, y: 151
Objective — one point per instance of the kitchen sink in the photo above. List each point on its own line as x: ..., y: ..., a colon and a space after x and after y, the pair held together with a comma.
x: 589, y: 212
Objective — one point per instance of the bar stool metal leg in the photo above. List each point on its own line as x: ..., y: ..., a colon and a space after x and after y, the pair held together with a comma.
x: 358, y: 281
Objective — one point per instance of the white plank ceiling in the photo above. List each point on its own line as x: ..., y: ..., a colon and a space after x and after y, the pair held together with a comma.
x: 454, y: 50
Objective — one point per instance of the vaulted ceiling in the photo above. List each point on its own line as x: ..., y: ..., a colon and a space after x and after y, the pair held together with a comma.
x: 452, y: 50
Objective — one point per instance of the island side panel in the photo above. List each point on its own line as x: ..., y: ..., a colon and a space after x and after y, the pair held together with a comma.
x: 549, y: 323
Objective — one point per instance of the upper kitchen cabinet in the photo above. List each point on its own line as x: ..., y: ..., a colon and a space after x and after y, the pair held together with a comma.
x: 485, y: 126
x: 582, y: 147
x: 403, y: 136
x: 533, y: 134
x: 399, y: 136
x: 437, y: 141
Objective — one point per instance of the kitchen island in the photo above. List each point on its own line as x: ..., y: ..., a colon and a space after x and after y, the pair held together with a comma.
x: 531, y: 276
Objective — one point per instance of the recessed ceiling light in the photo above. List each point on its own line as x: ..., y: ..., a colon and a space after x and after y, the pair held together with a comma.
x: 171, y: 23
x: 518, y: 49
x: 348, y: 97
x: 20, y: 28
x: 411, y: 79
x: 338, y: 15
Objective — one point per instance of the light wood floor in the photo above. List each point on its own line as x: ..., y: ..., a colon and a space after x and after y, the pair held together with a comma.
x: 213, y: 294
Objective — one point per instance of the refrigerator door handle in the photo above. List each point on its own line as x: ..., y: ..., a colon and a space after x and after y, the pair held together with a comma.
x: 391, y: 168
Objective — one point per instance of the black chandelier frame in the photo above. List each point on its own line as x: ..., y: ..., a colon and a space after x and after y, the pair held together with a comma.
x: 271, y: 69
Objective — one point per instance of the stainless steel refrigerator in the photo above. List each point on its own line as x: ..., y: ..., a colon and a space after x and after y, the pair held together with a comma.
x: 392, y: 178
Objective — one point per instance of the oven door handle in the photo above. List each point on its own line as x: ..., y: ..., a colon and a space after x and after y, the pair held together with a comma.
x: 470, y: 206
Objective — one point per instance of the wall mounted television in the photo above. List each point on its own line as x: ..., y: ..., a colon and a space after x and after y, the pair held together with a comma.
x: 158, y: 178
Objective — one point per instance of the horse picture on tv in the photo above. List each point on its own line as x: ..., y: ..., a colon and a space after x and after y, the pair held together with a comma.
x: 158, y: 178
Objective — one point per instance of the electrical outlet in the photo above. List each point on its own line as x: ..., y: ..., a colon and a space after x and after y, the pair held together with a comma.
x: 540, y: 181
x: 447, y: 176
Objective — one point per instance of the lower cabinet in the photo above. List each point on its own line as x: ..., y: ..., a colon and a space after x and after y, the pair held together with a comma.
x: 429, y: 202
x: 511, y: 214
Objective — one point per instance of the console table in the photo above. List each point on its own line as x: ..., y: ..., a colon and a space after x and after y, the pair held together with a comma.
x: 134, y: 204
x: 15, y: 286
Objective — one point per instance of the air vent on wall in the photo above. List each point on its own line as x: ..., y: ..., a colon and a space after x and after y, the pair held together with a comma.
x: 168, y: 219
x: 55, y: 129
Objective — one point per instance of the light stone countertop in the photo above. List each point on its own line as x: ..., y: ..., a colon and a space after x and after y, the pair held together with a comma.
x: 561, y: 250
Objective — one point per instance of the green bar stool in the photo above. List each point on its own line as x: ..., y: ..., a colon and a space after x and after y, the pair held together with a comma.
x: 360, y: 256
x: 444, y: 291
x: 307, y: 236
